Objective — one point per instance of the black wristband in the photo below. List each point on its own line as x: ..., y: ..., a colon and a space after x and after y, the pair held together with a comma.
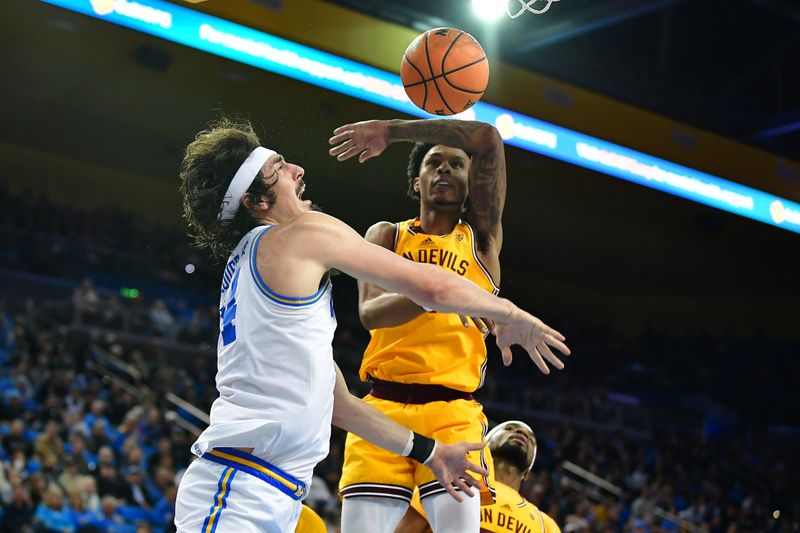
x: 422, y: 449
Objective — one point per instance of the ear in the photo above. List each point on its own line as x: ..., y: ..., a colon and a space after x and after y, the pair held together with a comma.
x: 416, y: 184
x: 259, y: 206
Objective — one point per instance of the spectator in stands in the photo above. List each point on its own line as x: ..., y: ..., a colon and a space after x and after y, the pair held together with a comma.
x: 88, y: 488
x: 110, y: 520
x: 105, y: 456
x: 18, y: 513
x: 99, y: 438
x: 16, y: 441
x: 162, y: 458
x: 85, y: 298
x: 163, y: 511
x: 37, y: 485
x: 140, y: 495
x: 109, y: 483
x: 52, y: 515
x: 70, y: 476
x: 49, y: 446
x: 97, y: 414
x: 82, y: 517
x: 79, y: 454
x: 162, y: 320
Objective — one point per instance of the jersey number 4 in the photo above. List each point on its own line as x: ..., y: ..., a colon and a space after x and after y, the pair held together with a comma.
x: 228, y: 314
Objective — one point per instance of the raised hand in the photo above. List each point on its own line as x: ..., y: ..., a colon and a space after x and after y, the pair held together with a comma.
x: 451, y: 466
x: 534, y: 336
x: 366, y: 139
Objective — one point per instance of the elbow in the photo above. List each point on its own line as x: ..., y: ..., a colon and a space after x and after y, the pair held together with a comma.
x: 367, y: 318
x: 488, y: 136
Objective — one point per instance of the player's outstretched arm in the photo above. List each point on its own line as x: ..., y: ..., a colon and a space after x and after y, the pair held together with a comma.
x: 447, y: 461
x: 334, y: 244
x: 370, y: 138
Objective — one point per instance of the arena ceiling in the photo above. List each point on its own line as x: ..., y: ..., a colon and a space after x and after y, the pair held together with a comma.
x: 729, y: 66
x: 578, y: 243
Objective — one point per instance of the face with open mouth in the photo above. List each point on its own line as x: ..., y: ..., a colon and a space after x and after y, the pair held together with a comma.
x: 444, y: 176
x: 287, y: 181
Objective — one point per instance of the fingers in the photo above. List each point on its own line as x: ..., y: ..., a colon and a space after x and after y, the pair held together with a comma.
x: 453, y: 492
x: 536, y: 357
x: 464, y: 321
x: 550, y: 356
x: 555, y: 333
x: 336, y: 150
x: 342, y: 137
x: 366, y: 154
x: 557, y: 344
x: 464, y: 486
x: 478, y: 469
x: 505, y: 351
x: 353, y: 150
x: 489, y: 324
x: 472, y: 482
x: 480, y: 325
x: 347, y: 128
x: 474, y: 447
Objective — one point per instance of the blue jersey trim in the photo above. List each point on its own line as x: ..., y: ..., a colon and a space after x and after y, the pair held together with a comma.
x: 290, y: 301
x: 259, y: 468
x: 220, y: 500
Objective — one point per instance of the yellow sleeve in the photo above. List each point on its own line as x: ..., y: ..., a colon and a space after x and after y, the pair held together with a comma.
x: 550, y: 525
x: 310, y: 522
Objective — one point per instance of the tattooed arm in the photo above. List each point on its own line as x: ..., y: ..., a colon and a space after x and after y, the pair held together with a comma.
x: 487, y: 171
x: 487, y: 176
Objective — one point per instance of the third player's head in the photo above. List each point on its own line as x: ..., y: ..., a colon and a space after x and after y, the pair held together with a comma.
x: 513, y: 442
x: 438, y: 176
x: 230, y: 184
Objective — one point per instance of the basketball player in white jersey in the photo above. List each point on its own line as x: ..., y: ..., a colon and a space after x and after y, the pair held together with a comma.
x: 279, y: 387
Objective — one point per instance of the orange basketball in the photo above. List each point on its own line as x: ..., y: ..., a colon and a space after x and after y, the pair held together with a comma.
x: 444, y: 71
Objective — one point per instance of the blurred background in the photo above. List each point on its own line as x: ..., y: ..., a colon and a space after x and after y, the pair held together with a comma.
x: 678, y: 410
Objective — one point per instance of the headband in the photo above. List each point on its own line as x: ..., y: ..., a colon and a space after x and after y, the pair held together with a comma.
x: 242, y: 180
x: 500, y: 426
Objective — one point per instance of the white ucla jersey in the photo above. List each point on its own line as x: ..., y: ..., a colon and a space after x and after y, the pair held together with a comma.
x: 275, y: 371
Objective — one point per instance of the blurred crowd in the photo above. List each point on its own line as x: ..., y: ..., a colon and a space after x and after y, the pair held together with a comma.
x: 690, y: 433
x: 79, y: 452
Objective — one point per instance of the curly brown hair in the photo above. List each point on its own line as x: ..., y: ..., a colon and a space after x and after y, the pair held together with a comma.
x: 208, y: 166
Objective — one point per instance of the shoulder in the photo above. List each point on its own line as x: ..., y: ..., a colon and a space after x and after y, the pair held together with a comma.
x: 550, y: 525
x: 382, y: 233
x: 313, y: 225
x: 316, y: 234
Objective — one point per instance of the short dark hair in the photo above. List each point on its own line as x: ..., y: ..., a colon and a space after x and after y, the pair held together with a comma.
x: 415, y: 158
x: 208, y: 166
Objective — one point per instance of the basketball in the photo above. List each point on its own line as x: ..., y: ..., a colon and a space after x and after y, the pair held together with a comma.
x: 444, y: 71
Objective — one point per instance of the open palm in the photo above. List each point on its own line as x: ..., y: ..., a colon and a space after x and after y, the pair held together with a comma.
x: 366, y: 139
x: 534, y: 336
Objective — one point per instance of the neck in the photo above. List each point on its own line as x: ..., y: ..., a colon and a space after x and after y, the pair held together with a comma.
x: 439, y: 220
x: 508, y: 474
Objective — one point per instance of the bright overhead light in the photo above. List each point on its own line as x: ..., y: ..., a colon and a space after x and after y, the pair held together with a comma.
x: 489, y: 10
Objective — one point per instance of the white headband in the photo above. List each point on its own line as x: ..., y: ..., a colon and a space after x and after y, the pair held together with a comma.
x: 500, y: 426
x: 242, y: 180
